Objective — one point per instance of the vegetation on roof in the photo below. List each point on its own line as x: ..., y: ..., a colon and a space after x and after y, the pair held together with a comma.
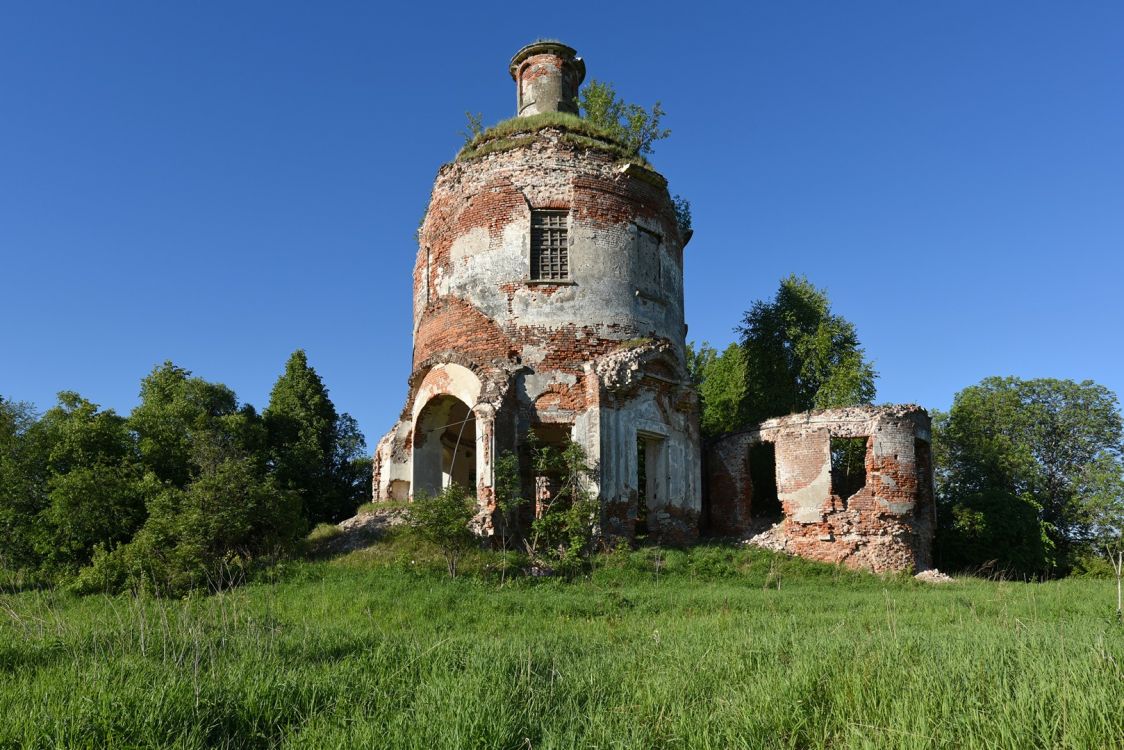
x: 631, y: 125
x: 520, y: 131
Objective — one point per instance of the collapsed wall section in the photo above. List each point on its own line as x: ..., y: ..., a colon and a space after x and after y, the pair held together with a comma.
x: 852, y: 486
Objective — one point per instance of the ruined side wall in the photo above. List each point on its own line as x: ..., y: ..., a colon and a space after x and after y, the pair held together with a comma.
x: 888, y: 524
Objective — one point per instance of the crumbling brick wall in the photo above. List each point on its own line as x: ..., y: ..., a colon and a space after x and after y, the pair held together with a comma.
x: 887, y: 524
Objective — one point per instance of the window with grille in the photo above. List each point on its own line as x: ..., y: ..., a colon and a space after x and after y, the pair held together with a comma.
x: 549, y: 255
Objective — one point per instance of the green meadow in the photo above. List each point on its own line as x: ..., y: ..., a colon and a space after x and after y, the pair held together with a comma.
x: 713, y: 647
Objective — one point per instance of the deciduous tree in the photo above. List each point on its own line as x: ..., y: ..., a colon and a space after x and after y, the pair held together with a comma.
x: 633, y: 126
x: 23, y: 485
x: 176, y: 411
x: 721, y: 380
x: 800, y: 356
x: 443, y: 520
x: 96, y: 486
x: 1030, y: 474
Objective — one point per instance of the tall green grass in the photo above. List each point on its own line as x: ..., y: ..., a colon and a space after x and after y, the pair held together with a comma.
x: 710, y: 648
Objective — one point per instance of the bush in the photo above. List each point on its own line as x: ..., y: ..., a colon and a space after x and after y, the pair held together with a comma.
x: 207, y: 535
x: 563, y: 535
x: 443, y: 520
x: 630, y: 124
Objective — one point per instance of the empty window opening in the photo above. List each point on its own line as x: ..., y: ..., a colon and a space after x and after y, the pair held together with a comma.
x: 764, y: 502
x: 550, y: 259
x: 923, y: 465
x: 848, y: 466
x: 651, y: 480
x: 640, y: 528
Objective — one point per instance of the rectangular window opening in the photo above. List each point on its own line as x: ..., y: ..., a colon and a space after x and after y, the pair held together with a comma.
x: 550, y: 259
x: 641, y: 526
x: 848, y: 466
x: 923, y: 465
x: 764, y: 502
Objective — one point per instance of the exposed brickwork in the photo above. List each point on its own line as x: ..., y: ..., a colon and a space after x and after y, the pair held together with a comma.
x: 547, y: 76
x: 728, y: 488
x: 524, y: 353
x: 885, y: 525
x: 597, y: 354
x: 453, y: 324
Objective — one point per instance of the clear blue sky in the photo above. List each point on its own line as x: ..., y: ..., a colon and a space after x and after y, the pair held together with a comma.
x: 219, y: 184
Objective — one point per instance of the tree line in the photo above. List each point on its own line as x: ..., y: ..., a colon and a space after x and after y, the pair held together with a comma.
x: 194, y: 488
x: 1029, y: 474
x: 191, y: 489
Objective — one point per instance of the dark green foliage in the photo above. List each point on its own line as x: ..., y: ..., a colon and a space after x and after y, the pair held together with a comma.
x: 1030, y: 475
x: 96, y: 486
x: 682, y: 215
x: 69, y: 481
x: 205, y: 536
x: 721, y: 380
x: 800, y: 356
x: 23, y: 485
x: 213, y: 508
x: 176, y: 412
x: 443, y: 520
x: 314, y: 451
x: 630, y: 124
x: 563, y: 534
x: 190, y: 491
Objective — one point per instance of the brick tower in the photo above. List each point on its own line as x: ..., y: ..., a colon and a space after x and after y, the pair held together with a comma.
x: 548, y: 298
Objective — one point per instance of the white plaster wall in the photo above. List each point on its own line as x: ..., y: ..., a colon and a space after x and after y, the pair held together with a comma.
x: 605, y: 293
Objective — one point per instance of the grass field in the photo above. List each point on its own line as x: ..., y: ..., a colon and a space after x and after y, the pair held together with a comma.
x: 711, y: 648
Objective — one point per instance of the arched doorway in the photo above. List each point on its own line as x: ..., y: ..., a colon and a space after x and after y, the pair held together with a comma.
x: 444, y: 445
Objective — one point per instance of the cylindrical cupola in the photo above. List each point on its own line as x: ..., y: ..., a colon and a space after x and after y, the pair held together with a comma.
x: 547, y: 76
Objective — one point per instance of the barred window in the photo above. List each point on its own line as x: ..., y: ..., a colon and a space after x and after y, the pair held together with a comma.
x: 549, y: 255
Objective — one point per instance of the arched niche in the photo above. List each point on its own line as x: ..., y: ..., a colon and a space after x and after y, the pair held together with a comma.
x: 452, y: 432
x: 445, y: 450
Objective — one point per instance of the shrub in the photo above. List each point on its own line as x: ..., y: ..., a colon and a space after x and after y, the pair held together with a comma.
x: 563, y: 535
x: 630, y: 124
x: 443, y: 520
x: 207, y: 535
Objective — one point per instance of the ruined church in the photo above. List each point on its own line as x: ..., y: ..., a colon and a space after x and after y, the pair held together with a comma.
x: 548, y: 300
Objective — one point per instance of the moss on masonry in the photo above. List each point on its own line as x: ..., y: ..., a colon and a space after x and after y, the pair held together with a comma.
x: 494, y: 147
x: 520, y: 131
